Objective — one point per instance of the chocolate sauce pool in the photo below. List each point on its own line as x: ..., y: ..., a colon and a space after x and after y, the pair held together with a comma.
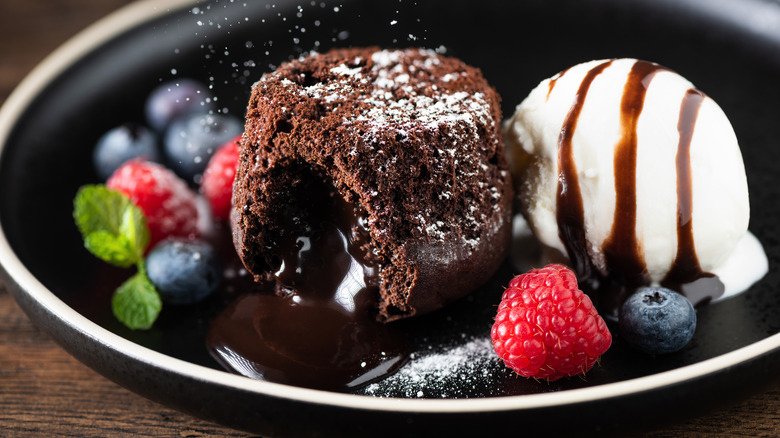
x: 622, y: 251
x: 315, y: 327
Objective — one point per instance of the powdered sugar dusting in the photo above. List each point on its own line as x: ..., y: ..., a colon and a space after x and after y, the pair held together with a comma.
x: 439, y: 108
x: 390, y: 76
x: 430, y: 111
x: 385, y: 58
x: 393, y: 95
x: 342, y: 69
x: 451, y: 373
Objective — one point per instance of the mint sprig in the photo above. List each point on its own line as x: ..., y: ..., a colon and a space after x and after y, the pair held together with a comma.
x: 136, y: 302
x: 115, y: 230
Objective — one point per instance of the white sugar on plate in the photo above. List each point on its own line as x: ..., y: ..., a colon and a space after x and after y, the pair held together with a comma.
x: 452, y: 373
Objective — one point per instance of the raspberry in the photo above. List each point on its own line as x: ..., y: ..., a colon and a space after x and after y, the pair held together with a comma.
x: 546, y: 328
x: 217, y: 185
x: 168, y: 203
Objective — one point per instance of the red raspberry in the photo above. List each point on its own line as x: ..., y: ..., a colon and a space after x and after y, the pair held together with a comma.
x: 547, y: 328
x: 168, y: 203
x: 217, y: 185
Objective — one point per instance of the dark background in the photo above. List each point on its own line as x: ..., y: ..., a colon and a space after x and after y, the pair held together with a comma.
x: 43, y: 391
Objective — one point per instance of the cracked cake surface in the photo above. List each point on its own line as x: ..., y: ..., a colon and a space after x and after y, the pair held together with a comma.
x: 410, y: 138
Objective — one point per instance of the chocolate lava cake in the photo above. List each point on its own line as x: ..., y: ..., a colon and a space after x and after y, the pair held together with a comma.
x: 410, y: 139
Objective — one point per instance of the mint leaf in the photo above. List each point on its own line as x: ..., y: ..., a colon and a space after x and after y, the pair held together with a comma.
x: 136, y: 302
x: 113, y: 228
x: 111, y: 248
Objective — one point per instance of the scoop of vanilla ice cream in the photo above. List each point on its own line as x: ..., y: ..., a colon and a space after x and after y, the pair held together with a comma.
x: 603, y: 110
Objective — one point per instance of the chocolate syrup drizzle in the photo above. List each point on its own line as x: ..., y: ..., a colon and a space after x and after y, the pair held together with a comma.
x: 570, y: 213
x: 622, y: 250
x: 685, y: 273
x: 686, y: 262
x: 551, y: 84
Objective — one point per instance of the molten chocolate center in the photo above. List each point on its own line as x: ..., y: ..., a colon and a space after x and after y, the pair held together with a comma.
x: 319, y: 329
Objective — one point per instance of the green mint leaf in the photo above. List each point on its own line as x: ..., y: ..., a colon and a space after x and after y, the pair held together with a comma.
x: 136, y: 302
x: 113, y: 228
x: 111, y: 248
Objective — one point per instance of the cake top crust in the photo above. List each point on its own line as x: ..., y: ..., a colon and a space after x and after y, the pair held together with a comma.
x: 397, y: 90
x: 432, y: 104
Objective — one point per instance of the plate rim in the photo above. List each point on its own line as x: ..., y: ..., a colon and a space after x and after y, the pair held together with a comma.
x: 19, y: 280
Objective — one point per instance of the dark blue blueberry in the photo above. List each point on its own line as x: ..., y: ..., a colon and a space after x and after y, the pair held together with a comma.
x: 184, y: 271
x: 191, y: 141
x: 174, y: 99
x: 123, y: 143
x: 657, y: 320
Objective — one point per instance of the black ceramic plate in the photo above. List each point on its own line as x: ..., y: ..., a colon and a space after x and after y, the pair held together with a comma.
x: 729, y: 49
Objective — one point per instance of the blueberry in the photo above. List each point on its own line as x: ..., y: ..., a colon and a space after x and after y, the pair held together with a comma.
x: 657, y: 320
x: 123, y: 143
x: 184, y: 271
x: 191, y: 141
x: 174, y: 99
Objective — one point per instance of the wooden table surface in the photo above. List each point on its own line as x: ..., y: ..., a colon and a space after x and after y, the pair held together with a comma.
x: 45, y: 392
